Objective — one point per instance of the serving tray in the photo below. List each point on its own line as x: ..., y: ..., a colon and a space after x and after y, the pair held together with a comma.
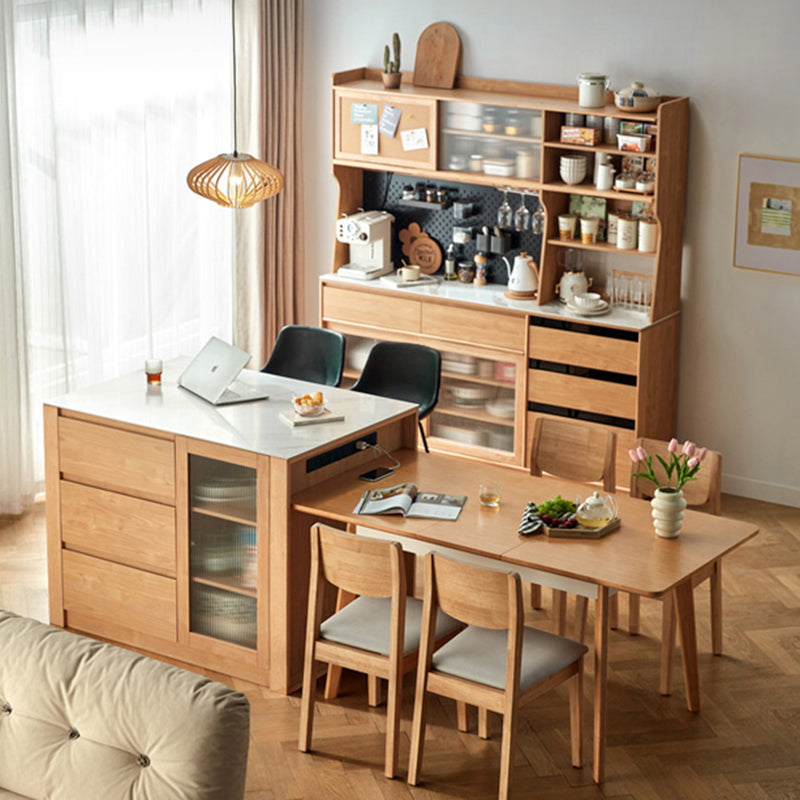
x: 582, y: 533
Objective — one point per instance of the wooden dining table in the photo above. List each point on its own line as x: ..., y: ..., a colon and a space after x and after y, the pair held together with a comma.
x: 631, y: 558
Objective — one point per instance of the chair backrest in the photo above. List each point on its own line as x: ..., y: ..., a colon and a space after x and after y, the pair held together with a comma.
x: 705, y: 490
x: 574, y: 450
x: 402, y: 371
x: 358, y: 564
x: 308, y: 354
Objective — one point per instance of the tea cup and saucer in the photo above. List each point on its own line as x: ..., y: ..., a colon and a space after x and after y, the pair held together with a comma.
x: 588, y: 303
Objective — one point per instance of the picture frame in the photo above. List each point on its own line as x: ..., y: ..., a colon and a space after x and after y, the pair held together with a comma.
x: 767, y: 231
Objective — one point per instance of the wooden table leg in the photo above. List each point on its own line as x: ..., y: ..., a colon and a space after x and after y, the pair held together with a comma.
x: 683, y: 595
x: 601, y: 625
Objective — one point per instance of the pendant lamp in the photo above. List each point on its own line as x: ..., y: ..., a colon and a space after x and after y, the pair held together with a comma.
x: 235, y: 180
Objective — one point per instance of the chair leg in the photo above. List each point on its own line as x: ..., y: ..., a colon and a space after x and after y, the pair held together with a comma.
x: 576, y: 716
x: 559, y: 611
x: 507, y: 749
x: 424, y: 440
x: 668, y: 628
x: 461, y: 716
x: 374, y: 693
x: 716, y: 608
x: 634, y: 603
x: 418, y: 728
x: 581, y: 614
x: 483, y: 722
x: 536, y: 595
x: 393, y: 723
x: 307, y: 702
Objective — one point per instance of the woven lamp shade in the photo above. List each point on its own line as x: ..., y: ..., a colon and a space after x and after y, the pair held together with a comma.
x: 235, y: 180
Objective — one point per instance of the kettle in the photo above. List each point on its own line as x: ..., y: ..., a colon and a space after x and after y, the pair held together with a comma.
x: 524, y: 277
x: 596, y: 511
x: 573, y: 283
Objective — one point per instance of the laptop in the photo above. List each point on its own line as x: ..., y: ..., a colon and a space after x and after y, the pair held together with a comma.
x: 212, y: 373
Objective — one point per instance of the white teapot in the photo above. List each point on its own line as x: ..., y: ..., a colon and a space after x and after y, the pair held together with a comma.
x: 573, y: 283
x: 524, y: 277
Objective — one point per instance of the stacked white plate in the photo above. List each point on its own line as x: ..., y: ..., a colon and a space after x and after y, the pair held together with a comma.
x: 602, y: 307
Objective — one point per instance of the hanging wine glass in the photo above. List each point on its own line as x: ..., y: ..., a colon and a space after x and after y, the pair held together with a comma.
x: 505, y: 214
x: 521, y: 215
x: 537, y: 220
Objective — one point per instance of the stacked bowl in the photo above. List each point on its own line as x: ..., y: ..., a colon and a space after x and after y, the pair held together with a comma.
x: 572, y: 168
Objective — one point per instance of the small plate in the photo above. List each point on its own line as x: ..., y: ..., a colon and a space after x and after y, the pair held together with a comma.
x: 601, y: 308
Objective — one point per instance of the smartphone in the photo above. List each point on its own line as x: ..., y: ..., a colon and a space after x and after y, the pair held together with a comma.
x: 376, y: 474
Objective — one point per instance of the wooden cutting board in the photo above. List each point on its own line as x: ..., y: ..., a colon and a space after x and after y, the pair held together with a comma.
x: 438, y: 55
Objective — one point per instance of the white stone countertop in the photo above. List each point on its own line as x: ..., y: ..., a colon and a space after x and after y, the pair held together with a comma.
x: 492, y: 296
x: 254, y: 426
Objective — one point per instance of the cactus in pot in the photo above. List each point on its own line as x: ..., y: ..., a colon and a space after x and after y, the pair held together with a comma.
x: 391, y: 67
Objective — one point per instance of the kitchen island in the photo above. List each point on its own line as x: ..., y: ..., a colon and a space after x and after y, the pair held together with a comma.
x: 168, y: 519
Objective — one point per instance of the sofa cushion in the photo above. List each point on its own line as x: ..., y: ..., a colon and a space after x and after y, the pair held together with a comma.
x: 82, y: 718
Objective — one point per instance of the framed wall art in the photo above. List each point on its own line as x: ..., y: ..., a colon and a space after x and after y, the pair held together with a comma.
x: 768, y: 214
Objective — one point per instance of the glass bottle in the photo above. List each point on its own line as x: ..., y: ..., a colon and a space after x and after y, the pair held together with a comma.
x: 450, y: 263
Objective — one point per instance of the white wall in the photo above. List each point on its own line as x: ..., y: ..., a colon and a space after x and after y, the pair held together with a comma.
x: 739, y: 62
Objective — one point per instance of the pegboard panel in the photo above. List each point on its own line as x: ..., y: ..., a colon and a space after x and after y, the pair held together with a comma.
x: 384, y: 190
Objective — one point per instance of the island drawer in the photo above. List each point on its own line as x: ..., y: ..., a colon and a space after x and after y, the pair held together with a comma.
x: 125, y: 597
x: 124, y: 529
x: 118, y: 460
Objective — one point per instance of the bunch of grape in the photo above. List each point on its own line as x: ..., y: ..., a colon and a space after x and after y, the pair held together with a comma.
x: 558, y: 513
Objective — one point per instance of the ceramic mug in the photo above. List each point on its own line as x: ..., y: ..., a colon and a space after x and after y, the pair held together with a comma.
x: 566, y: 226
x: 589, y: 226
x: 409, y: 273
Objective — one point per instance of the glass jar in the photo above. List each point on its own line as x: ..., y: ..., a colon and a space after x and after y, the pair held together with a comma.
x: 490, y: 120
x: 466, y: 271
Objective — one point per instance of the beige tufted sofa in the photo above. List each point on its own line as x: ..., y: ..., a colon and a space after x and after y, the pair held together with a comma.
x: 85, y: 720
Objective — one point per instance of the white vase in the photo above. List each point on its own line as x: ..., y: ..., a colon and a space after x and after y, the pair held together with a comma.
x: 668, y: 506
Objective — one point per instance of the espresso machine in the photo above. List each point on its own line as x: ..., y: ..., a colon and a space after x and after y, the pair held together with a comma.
x: 369, y: 234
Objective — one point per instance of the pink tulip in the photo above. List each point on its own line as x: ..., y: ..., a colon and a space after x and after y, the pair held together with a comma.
x: 642, y: 453
x: 673, y: 445
x: 701, y: 453
x: 693, y: 462
x: 689, y: 448
x: 634, y: 456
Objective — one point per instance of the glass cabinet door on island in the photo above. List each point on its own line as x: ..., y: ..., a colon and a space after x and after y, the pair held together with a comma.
x: 223, y: 543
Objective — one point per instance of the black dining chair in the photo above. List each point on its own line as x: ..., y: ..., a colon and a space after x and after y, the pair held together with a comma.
x: 402, y: 371
x: 308, y: 354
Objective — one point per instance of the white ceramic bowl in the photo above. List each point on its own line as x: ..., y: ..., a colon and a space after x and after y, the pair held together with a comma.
x: 572, y: 168
x: 587, y: 299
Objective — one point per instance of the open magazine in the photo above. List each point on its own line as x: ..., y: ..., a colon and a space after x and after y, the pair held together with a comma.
x: 407, y: 500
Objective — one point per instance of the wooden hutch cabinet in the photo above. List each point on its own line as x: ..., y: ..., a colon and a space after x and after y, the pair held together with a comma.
x: 505, y: 361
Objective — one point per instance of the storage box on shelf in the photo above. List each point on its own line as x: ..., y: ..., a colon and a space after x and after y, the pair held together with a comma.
x: 484, y: 123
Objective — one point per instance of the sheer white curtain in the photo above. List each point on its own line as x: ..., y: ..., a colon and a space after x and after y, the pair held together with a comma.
x: 106, y: 257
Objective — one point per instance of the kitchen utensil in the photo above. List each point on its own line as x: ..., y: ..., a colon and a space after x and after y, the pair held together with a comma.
x: 605, y: 177
x: 637, y: 97
x: 592, y: 89
x: 596, y: 511
x: 572, y: 283
x: 438, y: 54
x: 523, y: 279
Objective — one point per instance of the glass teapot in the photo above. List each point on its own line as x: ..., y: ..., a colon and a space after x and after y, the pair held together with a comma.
x: 596, y: 511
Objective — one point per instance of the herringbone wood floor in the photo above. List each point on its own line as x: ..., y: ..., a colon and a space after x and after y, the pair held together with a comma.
x: 744, y: 744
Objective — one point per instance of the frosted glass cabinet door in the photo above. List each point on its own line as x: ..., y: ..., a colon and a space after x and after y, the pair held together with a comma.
x: 476, y: 402
x: 223, y: 540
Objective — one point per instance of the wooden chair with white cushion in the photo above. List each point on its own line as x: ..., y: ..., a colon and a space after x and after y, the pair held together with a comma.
x: 378, y: 633
x: 579, y: 452
x: 495, y: 662
x: 703, y: 493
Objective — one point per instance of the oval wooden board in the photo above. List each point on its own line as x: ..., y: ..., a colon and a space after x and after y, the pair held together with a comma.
x: 438, y: 54
x: 427, y: 253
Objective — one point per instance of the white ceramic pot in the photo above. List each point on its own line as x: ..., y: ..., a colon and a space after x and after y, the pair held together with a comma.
x: 668, y: 507
x: 592, y: 89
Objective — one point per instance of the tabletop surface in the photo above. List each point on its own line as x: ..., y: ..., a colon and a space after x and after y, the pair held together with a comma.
x: 254, y: 426
x: 632, y: 558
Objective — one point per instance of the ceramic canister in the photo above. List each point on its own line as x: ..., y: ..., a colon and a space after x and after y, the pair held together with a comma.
x: 592, y: 89
x: 626, y: 232
x: 648, y: 230
x: 612, y: 224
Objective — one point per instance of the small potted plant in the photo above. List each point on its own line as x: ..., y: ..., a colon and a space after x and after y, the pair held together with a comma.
x: 391, y: 68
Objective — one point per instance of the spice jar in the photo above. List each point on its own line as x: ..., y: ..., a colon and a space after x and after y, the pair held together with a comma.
x: 466, y: 272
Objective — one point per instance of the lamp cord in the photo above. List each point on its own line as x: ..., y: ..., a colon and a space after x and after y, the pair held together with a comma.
x: 233, y: 37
